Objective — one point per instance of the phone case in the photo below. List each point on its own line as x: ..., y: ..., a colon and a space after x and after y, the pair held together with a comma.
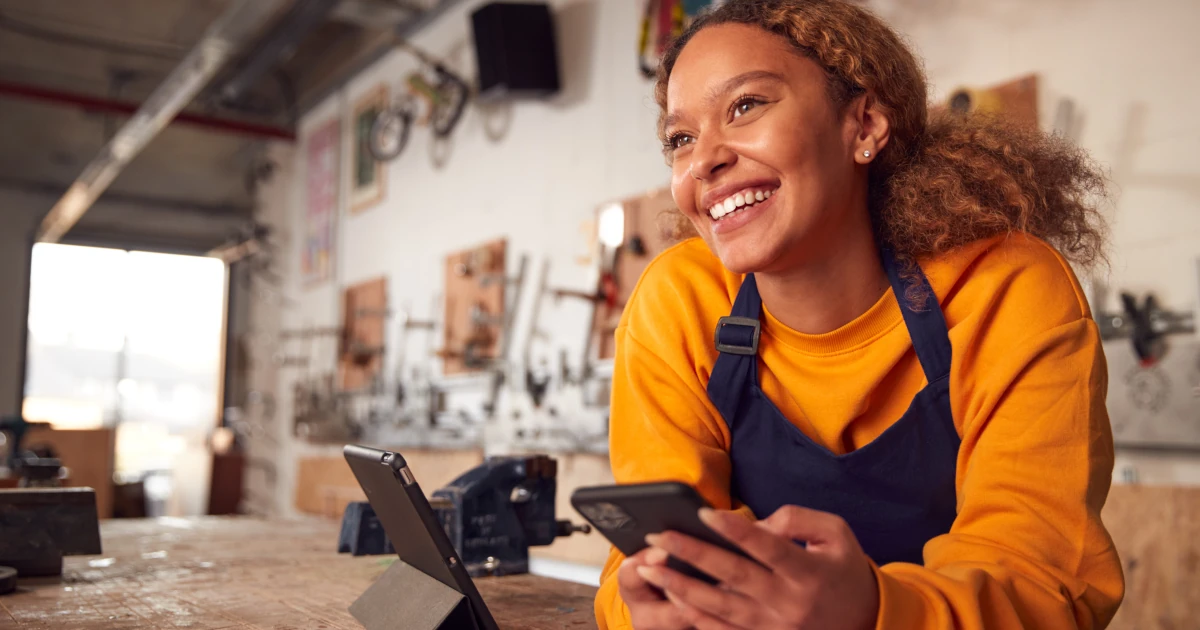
x: 626, y: 513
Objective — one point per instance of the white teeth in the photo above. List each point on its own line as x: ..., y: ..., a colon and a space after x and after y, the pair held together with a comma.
x: 738, y: 201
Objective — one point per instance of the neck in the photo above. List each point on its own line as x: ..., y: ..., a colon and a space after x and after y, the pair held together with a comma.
x: 825, y: 292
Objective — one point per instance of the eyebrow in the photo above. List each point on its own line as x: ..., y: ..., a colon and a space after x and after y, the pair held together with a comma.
x: 724, y: 88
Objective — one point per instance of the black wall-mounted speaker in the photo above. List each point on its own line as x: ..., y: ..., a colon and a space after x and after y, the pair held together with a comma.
x: 515, y: 50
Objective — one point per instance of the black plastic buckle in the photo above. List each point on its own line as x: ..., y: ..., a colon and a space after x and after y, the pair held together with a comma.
x: 730, y: 320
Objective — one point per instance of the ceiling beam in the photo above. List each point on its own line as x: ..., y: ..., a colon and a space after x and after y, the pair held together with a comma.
x: 112, y: 106
x: 158, y: 204
x: 230, y: 32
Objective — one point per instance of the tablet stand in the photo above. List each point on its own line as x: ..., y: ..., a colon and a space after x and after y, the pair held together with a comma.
x: 406, y: 597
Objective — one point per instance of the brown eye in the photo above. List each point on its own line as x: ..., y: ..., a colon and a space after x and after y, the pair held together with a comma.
x: 678, y: 140
x: 744, y: 107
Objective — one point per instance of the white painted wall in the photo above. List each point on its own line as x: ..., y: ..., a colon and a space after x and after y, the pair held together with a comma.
x: 1131, y: 70
x: 1128, y: 66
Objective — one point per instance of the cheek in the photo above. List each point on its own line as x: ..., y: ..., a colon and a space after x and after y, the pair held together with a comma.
x: 683, y: 190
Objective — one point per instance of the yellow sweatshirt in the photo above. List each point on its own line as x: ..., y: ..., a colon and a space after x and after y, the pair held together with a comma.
x: 1027, y: 385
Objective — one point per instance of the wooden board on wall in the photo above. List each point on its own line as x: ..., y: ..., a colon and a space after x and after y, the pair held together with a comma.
x: 643, y: 221
x: 475, y: 277
x: 324, y: 485
x: 1015, y: 100
x: 364, y: 313
x: 1157, y: 534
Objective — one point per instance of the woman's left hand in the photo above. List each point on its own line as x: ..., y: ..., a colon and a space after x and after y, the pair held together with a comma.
x: 828, y: 585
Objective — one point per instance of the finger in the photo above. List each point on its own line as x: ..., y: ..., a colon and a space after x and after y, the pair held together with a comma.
x: 776, y: 552
x: 654, y: 556
x: 632, y: 587
x: 736, y: 572
x: 662, y: 615
x: 814, y: 527
x: 698, y: 618
x: 727, y: 606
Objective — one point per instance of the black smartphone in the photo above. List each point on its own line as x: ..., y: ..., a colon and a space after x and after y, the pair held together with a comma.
x: 626, y: 513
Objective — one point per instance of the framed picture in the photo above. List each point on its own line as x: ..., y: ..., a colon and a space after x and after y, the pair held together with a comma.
x: 321, y: 170
x: 367, y: 183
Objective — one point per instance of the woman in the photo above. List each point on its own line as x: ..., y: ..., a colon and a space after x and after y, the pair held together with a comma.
x: 904, y: 375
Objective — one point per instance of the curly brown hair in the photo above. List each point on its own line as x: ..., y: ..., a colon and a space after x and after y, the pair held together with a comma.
x: 944, y: 179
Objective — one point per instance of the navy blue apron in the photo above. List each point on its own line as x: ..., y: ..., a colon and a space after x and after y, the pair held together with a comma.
x: 897, y: 492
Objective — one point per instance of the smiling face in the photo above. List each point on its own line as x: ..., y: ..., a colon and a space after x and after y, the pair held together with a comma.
x: 764, y: 164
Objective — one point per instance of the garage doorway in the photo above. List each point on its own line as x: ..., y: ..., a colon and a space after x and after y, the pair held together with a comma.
x: 132, y: 341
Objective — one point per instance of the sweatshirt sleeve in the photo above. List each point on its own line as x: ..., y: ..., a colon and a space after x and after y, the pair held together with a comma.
x: 1028, y: 548
x: 663, y: 428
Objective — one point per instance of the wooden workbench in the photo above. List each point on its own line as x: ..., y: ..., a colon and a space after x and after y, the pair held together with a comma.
x: 214, y: 573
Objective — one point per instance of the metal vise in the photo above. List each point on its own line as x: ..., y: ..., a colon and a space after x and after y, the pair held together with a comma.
x: 41, y: 522
x: 32, y: 469
x: 496, y: 511
x: 493, y: 514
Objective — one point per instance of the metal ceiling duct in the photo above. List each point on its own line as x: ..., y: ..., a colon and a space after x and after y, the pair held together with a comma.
x: 304, y: 17
x: 242, y: 20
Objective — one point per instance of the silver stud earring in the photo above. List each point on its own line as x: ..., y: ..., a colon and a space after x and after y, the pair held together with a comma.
x: 866, y: 154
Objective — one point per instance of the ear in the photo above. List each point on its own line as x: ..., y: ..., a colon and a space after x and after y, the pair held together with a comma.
x: 872, y: 128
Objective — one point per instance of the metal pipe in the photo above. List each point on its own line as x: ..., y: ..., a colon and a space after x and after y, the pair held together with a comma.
x: 110, y: 106
x: 304, y: 17
x: 220, y: 42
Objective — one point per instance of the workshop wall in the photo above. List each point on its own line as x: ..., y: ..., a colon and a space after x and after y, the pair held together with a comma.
x: 1127, y: 68
x: 535, y: 171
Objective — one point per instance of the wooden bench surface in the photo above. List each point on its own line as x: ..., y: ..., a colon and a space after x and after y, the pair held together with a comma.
x: 211, y: 573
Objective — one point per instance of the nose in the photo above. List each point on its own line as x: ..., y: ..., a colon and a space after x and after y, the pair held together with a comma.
x: 709, y: 157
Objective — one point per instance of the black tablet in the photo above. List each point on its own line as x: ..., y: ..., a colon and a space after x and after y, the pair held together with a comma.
x: 411, y: 523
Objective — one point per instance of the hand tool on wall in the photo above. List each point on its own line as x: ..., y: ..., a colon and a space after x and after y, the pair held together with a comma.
x: 537, y: 381
x: 1146, y: 325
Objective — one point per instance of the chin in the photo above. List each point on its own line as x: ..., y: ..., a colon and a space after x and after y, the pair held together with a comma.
x: 745, y: 258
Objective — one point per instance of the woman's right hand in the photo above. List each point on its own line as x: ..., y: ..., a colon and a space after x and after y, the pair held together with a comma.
x: 648, y: 609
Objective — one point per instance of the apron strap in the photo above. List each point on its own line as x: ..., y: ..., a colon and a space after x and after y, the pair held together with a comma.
x: 926, y: 324
x: 736, y: 339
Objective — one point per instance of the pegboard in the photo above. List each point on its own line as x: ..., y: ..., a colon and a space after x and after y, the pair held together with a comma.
x: 1015, y: 100
x: 360, y: 349
x: 474, y: 307
x: 646, y: 236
